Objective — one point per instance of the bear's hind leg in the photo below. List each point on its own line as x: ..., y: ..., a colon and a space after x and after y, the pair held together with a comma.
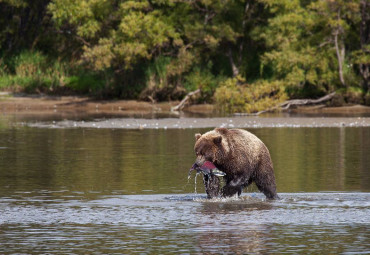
x: 264, y: 178
x: 233, y: 187
x: 229, y: 191
x: 267, y: 188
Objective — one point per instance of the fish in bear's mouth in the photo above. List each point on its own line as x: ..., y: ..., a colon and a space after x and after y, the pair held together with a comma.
x: 208, y: 168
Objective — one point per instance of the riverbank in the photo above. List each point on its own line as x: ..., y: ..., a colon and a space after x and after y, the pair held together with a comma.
x: 40, y: 104
x: 66, y: 106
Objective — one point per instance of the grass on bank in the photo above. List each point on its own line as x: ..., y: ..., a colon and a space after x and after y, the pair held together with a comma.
x: 33, y: 72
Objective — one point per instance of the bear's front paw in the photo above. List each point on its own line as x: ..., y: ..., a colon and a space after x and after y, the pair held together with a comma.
x: 211, y: 185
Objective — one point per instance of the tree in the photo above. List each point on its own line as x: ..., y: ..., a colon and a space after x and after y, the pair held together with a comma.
x: 334, y: 18
x: 307, y: 41
x: 177, y: 37
x: 115, y: 34
x: 291, y: 54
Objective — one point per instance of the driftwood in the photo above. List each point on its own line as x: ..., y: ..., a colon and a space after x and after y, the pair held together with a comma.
x: 294, y: 102
x: 183, y: 102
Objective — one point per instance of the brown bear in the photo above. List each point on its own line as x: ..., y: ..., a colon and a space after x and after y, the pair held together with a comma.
x: 242, y: 156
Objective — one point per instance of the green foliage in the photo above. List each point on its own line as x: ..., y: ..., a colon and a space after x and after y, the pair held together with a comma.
x: 231, y: 96
x: 367, y: 98
x: 162, y: 49
x: 204, y: 80
x: 85, y: 83
x: 301, y: 40
x: 157, y: 72
x: 115, y: 36
x: 34, y: 72
x: 362, y: 56
x: 350, y: 95
x: 306, y: 91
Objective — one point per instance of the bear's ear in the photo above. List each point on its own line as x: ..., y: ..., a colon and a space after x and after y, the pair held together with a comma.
x: 197, y: 136
x: 217, y: 140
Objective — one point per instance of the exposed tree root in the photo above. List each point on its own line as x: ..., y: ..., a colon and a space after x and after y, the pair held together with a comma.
x: 183, y: 102
x: 294, y: 102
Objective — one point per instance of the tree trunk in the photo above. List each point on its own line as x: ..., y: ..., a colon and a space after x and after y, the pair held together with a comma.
x: 241, y: 46
x: 339, y: 49
x: 235, y: 69
x: 340, y: 55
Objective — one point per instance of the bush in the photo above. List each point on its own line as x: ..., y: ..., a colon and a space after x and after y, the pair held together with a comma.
x: 169, y: 78
x: 31, y: 72
x: 349, y: 96
x: 203, y: 80
x: 305, y: 91
x: 157, y: 73
x: 162, y: 80
x: 354, y: 95
x: 367, y: 98
x: 84, y: 83
x: 234, y: 96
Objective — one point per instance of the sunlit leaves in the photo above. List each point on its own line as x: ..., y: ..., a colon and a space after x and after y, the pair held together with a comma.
x: 297, y: 42
x: 362, y: 56
x: 99, y: 56
x: 234, y: 95
x: 301, y: 40
x: 137, y: 30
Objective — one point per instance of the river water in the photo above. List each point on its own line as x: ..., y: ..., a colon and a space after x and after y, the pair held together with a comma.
x: 123, y: 191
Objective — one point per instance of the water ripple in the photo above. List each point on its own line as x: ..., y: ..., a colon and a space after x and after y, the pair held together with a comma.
x: 186, y: 223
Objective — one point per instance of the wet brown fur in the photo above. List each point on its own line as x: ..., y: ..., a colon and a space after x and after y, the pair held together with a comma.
x: 242, y: 156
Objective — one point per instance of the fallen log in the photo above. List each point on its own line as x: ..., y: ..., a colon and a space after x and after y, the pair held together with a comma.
x: 294, y: 102
x: 183, y: 102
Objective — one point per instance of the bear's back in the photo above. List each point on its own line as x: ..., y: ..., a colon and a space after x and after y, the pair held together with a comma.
x: 245, y: 141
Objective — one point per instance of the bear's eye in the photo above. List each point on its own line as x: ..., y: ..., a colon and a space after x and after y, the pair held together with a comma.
x: 198, y: 153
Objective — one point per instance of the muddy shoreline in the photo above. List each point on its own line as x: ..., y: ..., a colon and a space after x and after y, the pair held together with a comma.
x: 74, y: 112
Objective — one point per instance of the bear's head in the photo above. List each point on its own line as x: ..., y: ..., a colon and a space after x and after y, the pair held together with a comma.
x: 211, y: 146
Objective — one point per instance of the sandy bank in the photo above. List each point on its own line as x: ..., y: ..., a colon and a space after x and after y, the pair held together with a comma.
x: 47, y: 104
x: 69, y: 106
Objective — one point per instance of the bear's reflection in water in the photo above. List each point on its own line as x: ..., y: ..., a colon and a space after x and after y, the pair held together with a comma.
x: 218, y: 238
x: 233, y: 205
x: 235, y: 242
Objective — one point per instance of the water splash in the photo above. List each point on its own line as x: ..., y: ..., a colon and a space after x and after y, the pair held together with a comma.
x: 195, y: 179
x: 235, y: 198
x: 195, y: 183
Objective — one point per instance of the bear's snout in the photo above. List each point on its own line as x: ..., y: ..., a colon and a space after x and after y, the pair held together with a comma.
x: 199, y: 161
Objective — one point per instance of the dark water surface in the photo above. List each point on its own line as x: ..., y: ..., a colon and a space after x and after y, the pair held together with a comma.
x: 121, y: 191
